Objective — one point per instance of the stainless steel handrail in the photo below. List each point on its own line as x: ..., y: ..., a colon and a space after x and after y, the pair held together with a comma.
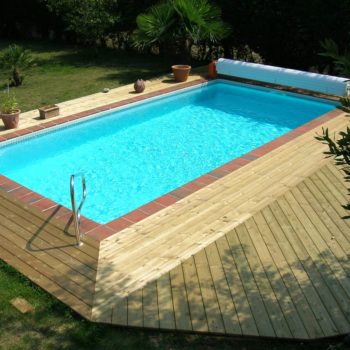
x: 77, y: 211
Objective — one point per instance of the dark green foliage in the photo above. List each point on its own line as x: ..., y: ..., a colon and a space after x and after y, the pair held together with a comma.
x: 285, y: 33
x: 28, y: 19
x: 176, y: 25
x: 15, y: 58
x: 340, y: 147
x: 89, y: 20
x: 341, y: 60
x: 345, y: 101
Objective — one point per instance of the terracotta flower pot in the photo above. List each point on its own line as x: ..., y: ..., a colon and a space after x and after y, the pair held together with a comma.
x: 11, y: 120
x: 181, y: 72
x: 212, y: 73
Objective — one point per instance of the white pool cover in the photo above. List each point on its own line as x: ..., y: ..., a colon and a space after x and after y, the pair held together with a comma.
x: 283, y: 76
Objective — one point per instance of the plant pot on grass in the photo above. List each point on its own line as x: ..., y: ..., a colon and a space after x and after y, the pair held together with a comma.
x: 181, y: 72
x: 10, y: 112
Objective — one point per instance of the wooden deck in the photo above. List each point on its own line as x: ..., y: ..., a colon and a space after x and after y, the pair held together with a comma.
x: 261, y: 252
x: 40, y: 250
x: 283, y: 273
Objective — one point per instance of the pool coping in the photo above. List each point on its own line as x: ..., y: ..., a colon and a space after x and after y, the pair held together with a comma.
x: 99, y: 232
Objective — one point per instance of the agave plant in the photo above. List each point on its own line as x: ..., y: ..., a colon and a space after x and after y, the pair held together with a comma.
x: 175, y: 25
x: 15, y: 58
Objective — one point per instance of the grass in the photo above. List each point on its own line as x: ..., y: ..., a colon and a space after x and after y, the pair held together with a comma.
x: 63, y: 72
x: 54, y: 326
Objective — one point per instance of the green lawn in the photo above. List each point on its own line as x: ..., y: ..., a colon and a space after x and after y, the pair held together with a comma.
x: 54, y: 326
x: 63, y: 72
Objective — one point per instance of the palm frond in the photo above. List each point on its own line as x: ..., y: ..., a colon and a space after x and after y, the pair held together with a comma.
x: 15, y: 57
x: 154, y: 26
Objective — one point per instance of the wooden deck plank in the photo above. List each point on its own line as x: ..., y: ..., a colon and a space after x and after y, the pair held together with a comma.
x: 332, y: 252
x: 333, y: 197
x: 326, y: 214
x: 269, y: 229
x: 194, y: 297
x: 46, y: 283
x: 333, y: 275
x: 289, y: 311
x: 165, y: 303
x: 280, y: 228
x: 270, y: 301
x: 226, y: 303
x: 51, y: 273
x: 120, y: 312
x: 338, y: 172
x: 43, y: 227
x: 328, y: 177
x: 48, y: 258
x: 135, y: 310
x: 210, y: 300
x: 178, y: 289
x: 150, y: 306
x: 257, y: 306
x: 72, y: 268
x: 312, y: 275
x: 318, y: 192
x: 238, y: 293
x: 91, y: 246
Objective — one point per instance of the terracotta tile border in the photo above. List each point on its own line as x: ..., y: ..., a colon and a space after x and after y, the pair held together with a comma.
x: 99, y: 232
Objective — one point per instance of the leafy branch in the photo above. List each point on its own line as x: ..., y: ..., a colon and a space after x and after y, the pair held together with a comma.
x: 341, y: 60
x: 338, y: 148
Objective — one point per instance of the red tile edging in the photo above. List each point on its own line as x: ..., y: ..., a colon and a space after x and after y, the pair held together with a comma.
x: 98, y: 231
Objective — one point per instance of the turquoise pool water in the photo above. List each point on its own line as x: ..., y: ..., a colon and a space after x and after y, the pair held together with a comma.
x: 132, y: 156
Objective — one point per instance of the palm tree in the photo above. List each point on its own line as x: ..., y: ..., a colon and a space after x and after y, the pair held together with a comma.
x: 175, y: 25
x: 15, y: 58
x: 341, y: 61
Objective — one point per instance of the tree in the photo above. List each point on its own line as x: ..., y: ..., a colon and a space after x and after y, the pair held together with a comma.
x: 90, y: 20
x: 16, y: 58
x: 175, y: 25
x: 341, y: 60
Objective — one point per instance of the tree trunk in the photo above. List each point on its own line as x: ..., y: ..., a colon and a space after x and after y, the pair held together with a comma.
x: 16, y: 79
x: 185, y: 47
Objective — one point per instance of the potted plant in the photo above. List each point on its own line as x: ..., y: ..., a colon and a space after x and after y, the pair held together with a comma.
x: 10, y: 111
x: 181, y: 72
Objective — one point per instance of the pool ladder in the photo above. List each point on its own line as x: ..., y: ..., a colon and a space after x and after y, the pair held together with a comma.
x: 76, y: 211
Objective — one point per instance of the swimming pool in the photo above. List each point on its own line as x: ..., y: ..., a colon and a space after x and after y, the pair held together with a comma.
x: 132, y: 156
